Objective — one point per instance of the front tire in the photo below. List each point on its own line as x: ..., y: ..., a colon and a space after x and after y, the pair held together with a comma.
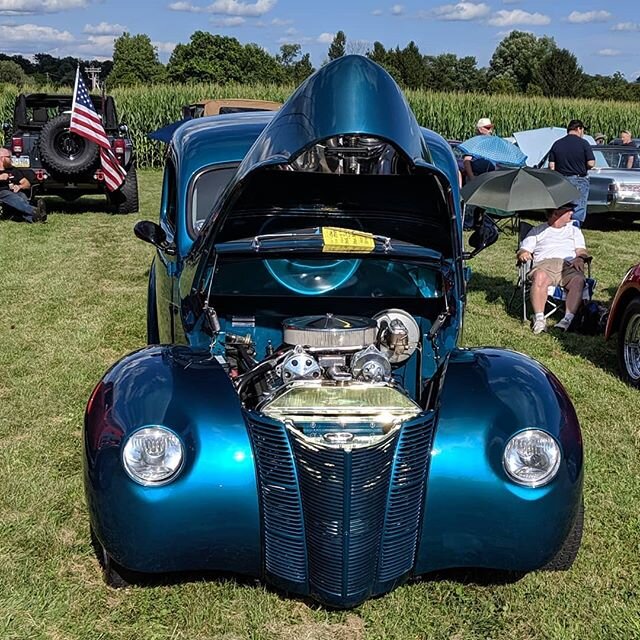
x: 564, y: 559
x: 114, y: 575
x: 629, y: 344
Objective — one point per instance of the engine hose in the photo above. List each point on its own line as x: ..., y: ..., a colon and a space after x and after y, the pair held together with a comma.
x: 265, y: 365
x: 249, y: 361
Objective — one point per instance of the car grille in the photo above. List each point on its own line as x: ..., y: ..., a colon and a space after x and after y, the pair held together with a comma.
x: 341, y: 525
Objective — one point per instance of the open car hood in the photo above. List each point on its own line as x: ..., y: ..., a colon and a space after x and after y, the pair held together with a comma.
x: 345, y: 150
x: 536, y: 143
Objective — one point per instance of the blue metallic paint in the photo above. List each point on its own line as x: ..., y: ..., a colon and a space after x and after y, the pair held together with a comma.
x: 466, y: 511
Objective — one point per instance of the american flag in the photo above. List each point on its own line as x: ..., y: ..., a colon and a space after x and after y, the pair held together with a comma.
x: 86, y: 122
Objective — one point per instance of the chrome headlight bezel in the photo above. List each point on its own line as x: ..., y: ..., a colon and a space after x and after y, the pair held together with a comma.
x: 553, y: 467
x: 152, y: 430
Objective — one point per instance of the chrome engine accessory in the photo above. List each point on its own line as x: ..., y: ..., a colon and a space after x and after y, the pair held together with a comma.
x: 299, y: 365
x: 368, y: 411
x: 398, y: 335
x: 330, y: 333
x: 370, y: 365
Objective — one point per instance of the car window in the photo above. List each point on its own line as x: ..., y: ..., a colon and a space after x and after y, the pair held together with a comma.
x: 207, y: 187
x: 601, y: 160
x: 169, y: 196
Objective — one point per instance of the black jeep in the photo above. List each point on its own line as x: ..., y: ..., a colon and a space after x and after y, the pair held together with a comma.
x: 66, y: 164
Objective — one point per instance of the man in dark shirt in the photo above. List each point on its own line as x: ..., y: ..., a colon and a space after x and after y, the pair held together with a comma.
x: 572, y: 156
x: 13, y: 184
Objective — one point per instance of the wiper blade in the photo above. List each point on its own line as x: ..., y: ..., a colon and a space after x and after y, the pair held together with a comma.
x: 331, y: 238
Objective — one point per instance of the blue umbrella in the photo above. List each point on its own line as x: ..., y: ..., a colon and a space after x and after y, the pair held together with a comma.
x: 494, y: 149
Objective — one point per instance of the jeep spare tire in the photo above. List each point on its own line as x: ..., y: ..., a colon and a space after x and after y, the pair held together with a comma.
x: 64, y: 152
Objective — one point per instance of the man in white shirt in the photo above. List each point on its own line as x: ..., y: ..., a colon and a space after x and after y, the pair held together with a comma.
x: 558, y: 251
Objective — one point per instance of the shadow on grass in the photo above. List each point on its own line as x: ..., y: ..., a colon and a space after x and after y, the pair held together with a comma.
x: 595, y: 349
x: 84, y: 204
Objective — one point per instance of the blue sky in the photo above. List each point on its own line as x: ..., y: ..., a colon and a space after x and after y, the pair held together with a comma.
x: 605, y: 36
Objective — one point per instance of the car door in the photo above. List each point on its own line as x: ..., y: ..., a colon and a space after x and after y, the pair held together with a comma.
x: 166, y: 264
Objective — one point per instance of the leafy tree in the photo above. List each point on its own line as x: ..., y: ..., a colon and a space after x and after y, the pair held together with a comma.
x: 12, y: 73
x: 517, y: 57
x: 296, y: 66
x: 502, y: 84
x: 25, y: 64
x: 260, y: 66
x: 447, y: 72
x: 338, y: 46
x: 135, y: 61
x: 559, y: 74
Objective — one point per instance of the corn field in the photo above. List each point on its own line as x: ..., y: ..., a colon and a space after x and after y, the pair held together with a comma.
x: 453, y: 115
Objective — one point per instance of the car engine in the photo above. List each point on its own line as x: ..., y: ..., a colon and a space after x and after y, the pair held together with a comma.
x: 332, y: 378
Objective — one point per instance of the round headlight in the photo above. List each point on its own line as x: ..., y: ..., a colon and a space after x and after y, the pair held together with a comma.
x: 531, y: 458
x: 152, y: 455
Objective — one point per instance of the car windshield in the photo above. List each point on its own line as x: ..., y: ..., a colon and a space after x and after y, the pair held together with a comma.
x: 339, y: 277
x: 208, y: 185
x: 617, y: 157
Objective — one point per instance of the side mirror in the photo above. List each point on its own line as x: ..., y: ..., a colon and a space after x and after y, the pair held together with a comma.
x: 154, y: 234
x: 6, y: 127
x: 485, y: 234
x: 123, y: 129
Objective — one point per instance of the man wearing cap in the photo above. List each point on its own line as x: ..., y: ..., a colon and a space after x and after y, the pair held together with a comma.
x: 558, y: 251
x: 600, y: 138
x: 572, y: 156
x: 473, y: 166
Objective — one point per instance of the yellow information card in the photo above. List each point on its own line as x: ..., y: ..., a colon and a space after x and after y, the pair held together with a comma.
x: 336, y: 240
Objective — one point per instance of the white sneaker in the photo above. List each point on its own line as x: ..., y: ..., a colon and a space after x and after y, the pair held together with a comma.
x: 539, y: 326
x: 564, y: 324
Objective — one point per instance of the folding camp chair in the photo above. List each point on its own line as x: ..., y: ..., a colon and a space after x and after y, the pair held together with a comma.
x: 506, y: 221
x: 556, y: 295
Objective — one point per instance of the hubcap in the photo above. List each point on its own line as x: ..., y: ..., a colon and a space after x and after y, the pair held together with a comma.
x: 632, y: 347
x: 69, y: 144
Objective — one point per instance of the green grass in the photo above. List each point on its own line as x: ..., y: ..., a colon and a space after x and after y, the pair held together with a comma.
x: 72, y: 300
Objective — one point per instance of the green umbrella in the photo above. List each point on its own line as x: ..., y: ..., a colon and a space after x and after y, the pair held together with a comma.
x: 522, y: 189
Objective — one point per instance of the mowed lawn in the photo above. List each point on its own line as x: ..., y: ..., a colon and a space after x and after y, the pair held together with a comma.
x: 72, y: 301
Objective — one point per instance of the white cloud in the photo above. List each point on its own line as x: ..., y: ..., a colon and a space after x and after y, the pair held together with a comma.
x: 33, y: 33
x: 164, y: 47
x: 377, y: 12
x: 291, y: 31
x: 279, y: 22
x: 325, y: 38
x: 231, y: 21
x: 626, y: 26
x: 27, y: 7
x: 397, y: 10
x: 582, y: 17
x: 459, y: 11
x: 228, y: 7
x: 608, y: 53
x: 517, y: 16
x: 104, y: 29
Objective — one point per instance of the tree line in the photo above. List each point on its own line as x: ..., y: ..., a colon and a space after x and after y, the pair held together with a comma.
x: 522, y: 63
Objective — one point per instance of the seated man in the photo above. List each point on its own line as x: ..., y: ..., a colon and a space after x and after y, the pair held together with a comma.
x: 558, y: 251
x: 13, y: 184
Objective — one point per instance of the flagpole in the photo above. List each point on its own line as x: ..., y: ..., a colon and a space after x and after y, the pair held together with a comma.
x: 75, y: 86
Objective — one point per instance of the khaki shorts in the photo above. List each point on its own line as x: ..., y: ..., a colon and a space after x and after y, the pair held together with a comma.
x: 559, y: 271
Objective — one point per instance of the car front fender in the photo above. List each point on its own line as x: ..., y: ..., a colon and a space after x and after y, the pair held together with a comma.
x: 475, y: 516
x: 208, y: 517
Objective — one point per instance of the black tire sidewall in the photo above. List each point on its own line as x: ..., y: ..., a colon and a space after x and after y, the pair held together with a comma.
x: 57, y: 162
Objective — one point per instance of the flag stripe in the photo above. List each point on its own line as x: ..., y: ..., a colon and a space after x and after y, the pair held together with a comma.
x: 87, y: 123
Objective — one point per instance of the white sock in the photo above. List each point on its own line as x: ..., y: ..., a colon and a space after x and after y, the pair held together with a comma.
x: 568, y: 316
x: 539, y: 316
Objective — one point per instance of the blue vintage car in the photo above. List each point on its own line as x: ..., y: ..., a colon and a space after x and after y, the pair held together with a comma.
x: 302, y: 412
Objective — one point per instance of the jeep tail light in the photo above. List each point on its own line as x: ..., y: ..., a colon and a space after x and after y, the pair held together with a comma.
x: 41, y: 174
x: 16, y: 145
x: 119, y: 148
